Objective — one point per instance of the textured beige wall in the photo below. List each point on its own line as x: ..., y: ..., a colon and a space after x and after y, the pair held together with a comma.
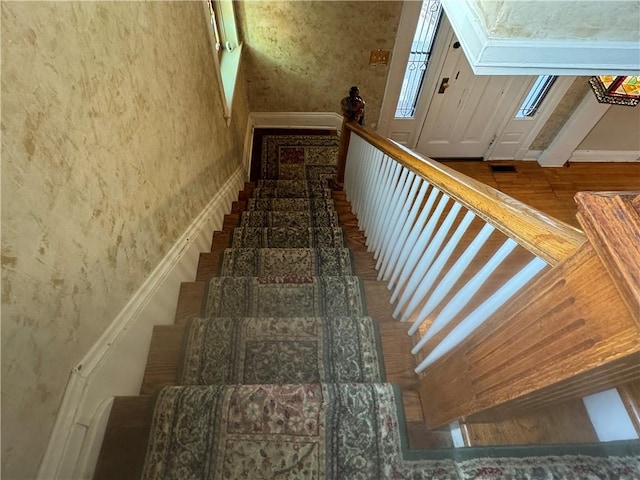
x: 618, y: 129
x: 579, y: 88
x: 553, y: 19
x: 112, y: 142
x: 302, y: 56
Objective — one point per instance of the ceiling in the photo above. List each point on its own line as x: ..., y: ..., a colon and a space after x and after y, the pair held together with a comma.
x: 522, y: 37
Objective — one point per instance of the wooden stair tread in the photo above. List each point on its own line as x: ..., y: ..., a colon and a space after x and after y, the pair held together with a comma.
x: 220, y: 240
x: 567, y: 422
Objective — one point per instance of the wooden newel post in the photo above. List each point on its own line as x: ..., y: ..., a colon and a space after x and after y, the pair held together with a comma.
x: 352, y: 111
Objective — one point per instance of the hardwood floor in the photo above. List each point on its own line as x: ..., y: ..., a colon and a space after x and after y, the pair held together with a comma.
x: 551, y: 189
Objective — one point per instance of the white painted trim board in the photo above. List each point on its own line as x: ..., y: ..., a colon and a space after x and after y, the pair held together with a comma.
x: 513, y: 56
x: 586, y: 115
x: 320, y: 120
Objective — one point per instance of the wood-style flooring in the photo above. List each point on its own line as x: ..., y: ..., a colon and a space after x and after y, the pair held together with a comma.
x: 551, y: 189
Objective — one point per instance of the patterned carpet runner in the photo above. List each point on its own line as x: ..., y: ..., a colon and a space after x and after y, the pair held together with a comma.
x: 257, y: 297
x: 282, y: 351
x: 292, y: 263
x: 282, y: 237
x: 282, y: 377
x: 287, y: 219
x: 317, y: 431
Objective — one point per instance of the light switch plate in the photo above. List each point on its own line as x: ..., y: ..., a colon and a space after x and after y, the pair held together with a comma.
x: 379, y: 57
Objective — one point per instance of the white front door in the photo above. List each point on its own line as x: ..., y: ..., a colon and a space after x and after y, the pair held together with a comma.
x: 467, y: 111
x: 475, y: 116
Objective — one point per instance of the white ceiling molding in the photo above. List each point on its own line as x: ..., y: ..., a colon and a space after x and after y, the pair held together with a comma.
x: 540, y: 56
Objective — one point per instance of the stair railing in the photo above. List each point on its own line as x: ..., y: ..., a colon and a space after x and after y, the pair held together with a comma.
x: 496, y: 293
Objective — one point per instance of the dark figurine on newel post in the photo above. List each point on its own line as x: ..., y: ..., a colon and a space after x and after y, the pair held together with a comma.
x: 353, y: 106
x: 352, y: 112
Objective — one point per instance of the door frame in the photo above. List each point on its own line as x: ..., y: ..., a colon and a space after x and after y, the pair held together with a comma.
x: 399, y: 58
x: 413, y: 126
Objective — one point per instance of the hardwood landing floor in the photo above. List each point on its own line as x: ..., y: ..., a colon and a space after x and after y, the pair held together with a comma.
x: 551, y: 189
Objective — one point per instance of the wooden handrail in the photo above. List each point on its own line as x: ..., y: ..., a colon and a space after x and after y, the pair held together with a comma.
x: 544, y: 236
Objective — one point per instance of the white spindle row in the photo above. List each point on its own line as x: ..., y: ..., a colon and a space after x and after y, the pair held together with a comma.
x: 413, y: 230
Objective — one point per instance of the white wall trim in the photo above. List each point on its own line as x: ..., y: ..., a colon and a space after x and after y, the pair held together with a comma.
x: 248, y: 148
x: 115, y: 364
x: 320, y: 120
x: 576, y: 128
x: 605, y: 156
x: 531, y: 155
x: 498, y: 56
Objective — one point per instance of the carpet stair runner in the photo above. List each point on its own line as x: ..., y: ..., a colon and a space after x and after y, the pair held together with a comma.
x: 281, y: 375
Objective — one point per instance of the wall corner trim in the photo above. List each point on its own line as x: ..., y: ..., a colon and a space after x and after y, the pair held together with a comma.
x: 576, y: 128
x: 79, y: 427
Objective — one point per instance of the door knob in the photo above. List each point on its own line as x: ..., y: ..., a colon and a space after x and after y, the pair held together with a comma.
x: 444, y: 85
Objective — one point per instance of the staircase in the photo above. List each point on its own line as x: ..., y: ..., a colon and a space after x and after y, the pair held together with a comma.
x: 284, y: 360
x: 311, y: 237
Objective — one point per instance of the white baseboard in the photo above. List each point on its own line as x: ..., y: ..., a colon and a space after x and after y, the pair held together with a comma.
x: 605, y: 156
x: 529, y: 155
x: 591, y: 156
x: 320, y: 120
x: 115, y: 364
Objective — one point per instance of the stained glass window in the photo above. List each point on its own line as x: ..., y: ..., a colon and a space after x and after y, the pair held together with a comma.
x: 617, y: 89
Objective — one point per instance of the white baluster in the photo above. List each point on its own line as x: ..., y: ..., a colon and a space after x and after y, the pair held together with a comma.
x: 373, y: 197
x: 427, y: 258
x: 398, y: 214
x: 369, y: 171
x: 384, y: 198
x: 353, y: 157
x: 389, y: 264
x: 466, y: 293
x: 420, y: 246
x: 452, y: 276
x: 386, y: 219
x: 434, y: 272
x: 361, y: 175
x: 483, y: 312
x: 413, y: 236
